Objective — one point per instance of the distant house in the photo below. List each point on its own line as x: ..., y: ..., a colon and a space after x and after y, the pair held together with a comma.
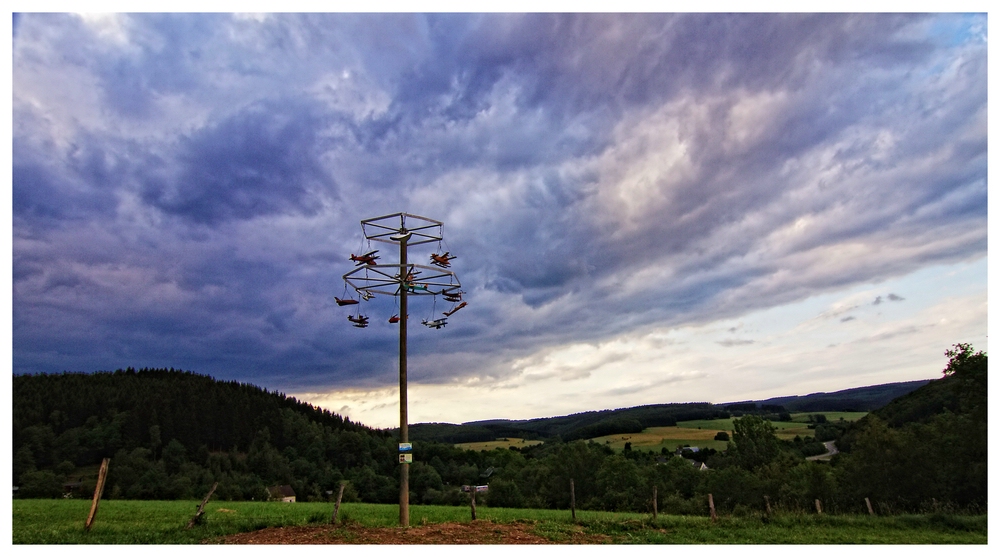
x: 700, y: 466
x: 283, y: 493
x: 70, y: 487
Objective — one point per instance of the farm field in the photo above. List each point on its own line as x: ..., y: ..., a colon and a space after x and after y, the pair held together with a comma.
x: 669, y: 437
x: 58, y: 521
x: 696, y: 433
x: 502, y: 443
x: 830, y: 416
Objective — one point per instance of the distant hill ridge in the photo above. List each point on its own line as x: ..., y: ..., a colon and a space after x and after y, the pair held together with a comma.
x: 857, y: 399
x: 586, y: 425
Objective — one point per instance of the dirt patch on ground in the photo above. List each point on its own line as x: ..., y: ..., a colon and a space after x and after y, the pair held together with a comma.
x: 480, y: 532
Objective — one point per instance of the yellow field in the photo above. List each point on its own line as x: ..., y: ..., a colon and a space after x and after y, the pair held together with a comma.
x: 656, y: 438
x: 503, y: 443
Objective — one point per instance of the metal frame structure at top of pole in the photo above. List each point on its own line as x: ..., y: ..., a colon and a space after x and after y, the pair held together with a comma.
x: 385, y: 232
x: 399, y: 280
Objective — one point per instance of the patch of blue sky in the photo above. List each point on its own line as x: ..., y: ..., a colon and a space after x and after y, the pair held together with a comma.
x: 830, y: 314
x: 958, y: 29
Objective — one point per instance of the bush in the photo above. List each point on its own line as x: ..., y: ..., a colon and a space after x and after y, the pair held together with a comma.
x: 43, y: 484
x: 504, y: 493
x: 677, y: 505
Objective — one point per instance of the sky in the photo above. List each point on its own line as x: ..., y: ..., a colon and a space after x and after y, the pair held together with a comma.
x: 645, y: 208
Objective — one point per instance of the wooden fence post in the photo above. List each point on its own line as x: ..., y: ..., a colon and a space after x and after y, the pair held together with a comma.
x: 654, y: 502
x: 472, y: 499
x: 201, y: 507
x: 336, y: 506
x: 767, y: 504
x: 572, y: 499
x: 711, y: 508
x: 98, y: 491
x: 819, y: 507
x: 868, y: 502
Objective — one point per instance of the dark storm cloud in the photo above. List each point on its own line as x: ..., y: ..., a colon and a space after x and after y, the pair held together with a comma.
x: 258, y: 162
x: 80, y: 189
x: 187, y: 188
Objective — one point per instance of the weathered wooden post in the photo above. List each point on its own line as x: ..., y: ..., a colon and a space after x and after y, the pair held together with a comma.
x: 572, y: 499
x: 336, y: 506
x: 711, y: 508
x: 98, y: 491
x: 868, y: 502
x: 819, y: 507
x: 767, y: 504
x: 201, y: 508
x: 472, y: 499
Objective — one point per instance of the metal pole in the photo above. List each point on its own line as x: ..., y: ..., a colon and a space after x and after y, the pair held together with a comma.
x: 404, y: 436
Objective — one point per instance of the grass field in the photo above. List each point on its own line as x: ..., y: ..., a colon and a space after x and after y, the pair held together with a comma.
x: 58, y: 521
x: 503, y: 443
x: 830, y: 416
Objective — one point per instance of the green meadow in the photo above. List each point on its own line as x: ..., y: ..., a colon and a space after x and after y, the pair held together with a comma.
x: 58, y: 521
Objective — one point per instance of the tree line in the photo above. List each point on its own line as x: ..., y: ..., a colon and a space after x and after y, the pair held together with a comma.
x: 172, y: 434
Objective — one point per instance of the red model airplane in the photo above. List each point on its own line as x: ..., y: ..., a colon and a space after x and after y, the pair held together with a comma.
x: 443, y: 260
x: 366, y: 259
x: 360, y: 321
x: 346, y: 302
x: 458, y: 307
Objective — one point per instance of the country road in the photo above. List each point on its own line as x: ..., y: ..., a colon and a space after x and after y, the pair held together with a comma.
x: 831, y: 449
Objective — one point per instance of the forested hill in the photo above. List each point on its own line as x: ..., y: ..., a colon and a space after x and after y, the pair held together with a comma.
x: 586, y: 425
x: 113, y: 410
x: 859, y: 399
x: 171, y: 434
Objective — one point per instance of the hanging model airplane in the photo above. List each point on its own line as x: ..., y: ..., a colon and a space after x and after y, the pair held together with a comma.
x: 452, y: 295
x: 366, y: 295
x: 413, y: 287
x: 435, y: 324
x: 443, y: 260
x: 360, y: 321
x: 458, y: 307
x: 366, y: 259
x: 346, y: 302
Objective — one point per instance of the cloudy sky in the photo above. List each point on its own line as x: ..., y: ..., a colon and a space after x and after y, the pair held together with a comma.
x: 645, y: 208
